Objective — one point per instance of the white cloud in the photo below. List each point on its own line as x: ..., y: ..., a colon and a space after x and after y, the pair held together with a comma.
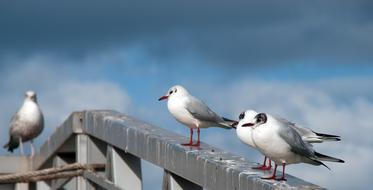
x: 76, y: 95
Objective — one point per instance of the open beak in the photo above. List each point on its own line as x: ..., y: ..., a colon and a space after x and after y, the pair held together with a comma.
x: 162, y: 98
x: 248, y: 125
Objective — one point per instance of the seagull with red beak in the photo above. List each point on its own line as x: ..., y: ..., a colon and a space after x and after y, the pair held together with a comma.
x: 244, y: 133
x: 192, y: 112
x: 282, y: 143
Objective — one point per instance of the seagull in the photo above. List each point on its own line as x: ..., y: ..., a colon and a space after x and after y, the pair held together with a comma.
x: 192, y: 112
x: 244, y: 134
x: 283, y: 144
x: 26, y: 124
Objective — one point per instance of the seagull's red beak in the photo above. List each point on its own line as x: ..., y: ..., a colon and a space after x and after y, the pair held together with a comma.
x: 248, y: 125
x: 163, y: 98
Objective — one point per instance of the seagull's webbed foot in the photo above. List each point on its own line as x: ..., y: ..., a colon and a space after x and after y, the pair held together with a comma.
x: 281, y: 179
x: 262, y: 167
x: 197, y: 144
x: 187, y: 144
x: 191, y: 144
x: 271, y: 177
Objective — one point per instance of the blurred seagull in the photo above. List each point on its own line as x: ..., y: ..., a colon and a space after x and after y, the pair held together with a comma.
x: 26, y: 124
x: 192, y: 112
x: 244, y: 134
x: 283, y: 144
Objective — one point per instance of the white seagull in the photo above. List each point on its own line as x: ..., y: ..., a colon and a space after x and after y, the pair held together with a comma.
x: 26, y: 124
x: 192, y: 112
x: 283, y: 144
x: 244, y: 134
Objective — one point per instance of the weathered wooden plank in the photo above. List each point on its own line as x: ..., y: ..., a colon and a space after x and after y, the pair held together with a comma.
x: 207, y: 166
x: 86, y: 135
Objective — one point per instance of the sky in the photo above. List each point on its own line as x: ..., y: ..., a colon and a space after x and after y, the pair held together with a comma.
x: 308, y: 61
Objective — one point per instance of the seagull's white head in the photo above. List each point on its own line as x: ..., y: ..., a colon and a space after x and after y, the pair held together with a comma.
x: 248, y: 114
x: 256, y: 121
x: 244, y: 117
x: 174, y: 91
x: 31, y: 95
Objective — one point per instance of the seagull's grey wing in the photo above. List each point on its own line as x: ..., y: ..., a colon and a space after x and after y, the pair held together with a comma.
x: 201, y: 111
x: 297, y: 145
x: 14, y: 122
x: 303, y: 132
x: 307, y: 134
x: 15, y: 118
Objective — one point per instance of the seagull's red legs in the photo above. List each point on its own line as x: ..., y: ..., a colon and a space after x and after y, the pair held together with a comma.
x: 190, y: 139
x: 264, y: 166
x: 283, y: 173
x: 273, y: 175
x: 198, y: 141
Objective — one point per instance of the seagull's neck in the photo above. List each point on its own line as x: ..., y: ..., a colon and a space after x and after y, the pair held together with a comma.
x: 30, y: 110
x: 243, y: 132
x: 271, y: 121
x: 29, y: 104
x: 176, y: 102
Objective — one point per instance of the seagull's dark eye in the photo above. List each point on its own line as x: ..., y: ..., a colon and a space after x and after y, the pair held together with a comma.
x: 261, y: 118
x: 175, y: 90
x: 242, y: 115
x: 171, y: 92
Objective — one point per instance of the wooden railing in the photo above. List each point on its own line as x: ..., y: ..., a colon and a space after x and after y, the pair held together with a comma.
x: 120, y: 142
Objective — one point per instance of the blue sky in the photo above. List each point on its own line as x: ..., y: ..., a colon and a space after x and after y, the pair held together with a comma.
x: 309, y: 64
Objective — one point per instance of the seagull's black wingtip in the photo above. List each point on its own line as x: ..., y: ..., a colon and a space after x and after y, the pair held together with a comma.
x: 228, y: 120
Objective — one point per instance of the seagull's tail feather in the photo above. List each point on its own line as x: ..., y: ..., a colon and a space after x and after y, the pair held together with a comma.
x: 227, y: 123
x: 327, y: 137
x: 320, y: 163
x: 314, y: 161
x: 328, y: 158
x: 12, y: 144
